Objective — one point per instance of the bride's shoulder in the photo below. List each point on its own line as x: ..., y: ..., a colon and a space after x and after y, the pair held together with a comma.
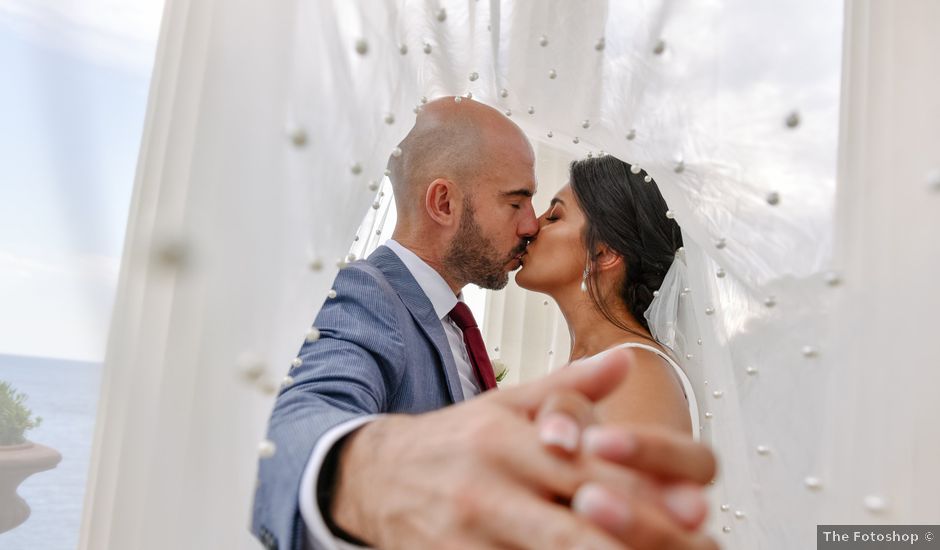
x: 653, y: 363
x: 646, y: 351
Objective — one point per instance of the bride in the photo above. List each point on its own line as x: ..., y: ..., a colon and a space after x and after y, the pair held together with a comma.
x: 604, y: 248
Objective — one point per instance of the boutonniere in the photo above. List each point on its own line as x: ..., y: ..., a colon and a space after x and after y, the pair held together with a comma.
x: 500, y: 370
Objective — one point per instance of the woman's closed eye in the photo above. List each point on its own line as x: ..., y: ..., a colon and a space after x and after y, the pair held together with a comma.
x: 552, y: 215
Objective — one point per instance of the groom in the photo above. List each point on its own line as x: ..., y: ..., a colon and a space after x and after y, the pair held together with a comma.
x: 367, y: 450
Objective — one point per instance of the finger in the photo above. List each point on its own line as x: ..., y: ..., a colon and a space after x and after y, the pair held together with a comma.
x: 594, y: 378
x: 561, y: 419
x: 526, y: 521
x: 655, y: 452
x: 636, y: 522
x: 519, y: 453
x: 465, y: 543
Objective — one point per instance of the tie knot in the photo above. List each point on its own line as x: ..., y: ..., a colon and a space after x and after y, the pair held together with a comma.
x: 462, y: 315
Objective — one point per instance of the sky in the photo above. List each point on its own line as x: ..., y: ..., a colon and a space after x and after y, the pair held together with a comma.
x: 75, y: 77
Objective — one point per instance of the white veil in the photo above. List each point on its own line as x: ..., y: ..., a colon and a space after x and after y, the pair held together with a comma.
x: 675, y: 321
x: 260, y: 157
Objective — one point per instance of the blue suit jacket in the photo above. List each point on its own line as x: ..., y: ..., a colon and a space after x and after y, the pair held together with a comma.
x: 382, y: 349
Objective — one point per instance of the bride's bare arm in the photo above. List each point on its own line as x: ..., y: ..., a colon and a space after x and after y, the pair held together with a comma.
x: 651, y: 396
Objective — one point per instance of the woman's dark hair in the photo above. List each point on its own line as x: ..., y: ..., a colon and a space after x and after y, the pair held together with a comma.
x: 628, y: 215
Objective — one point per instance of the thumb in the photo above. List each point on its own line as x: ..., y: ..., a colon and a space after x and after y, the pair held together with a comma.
x: 594, y: 377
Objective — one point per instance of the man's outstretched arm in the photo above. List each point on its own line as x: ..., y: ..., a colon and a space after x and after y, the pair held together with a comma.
x: 477, y: 475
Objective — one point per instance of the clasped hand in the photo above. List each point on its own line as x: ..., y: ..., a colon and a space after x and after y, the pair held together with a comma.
x: 526, y: 467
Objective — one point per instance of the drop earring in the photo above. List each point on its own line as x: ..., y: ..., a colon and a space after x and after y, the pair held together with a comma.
x: 587, y: 271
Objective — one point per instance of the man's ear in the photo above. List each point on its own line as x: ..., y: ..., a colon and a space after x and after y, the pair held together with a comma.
x: 441, y: 200
x: 606, y: 258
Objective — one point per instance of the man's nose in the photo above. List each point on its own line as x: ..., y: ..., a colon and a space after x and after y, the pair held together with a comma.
x: 530, y: 226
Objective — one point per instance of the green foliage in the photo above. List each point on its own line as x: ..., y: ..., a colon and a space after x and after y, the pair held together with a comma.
x: 15, y: 418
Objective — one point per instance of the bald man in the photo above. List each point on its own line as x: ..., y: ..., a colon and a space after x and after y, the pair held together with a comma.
x: 377, y: 441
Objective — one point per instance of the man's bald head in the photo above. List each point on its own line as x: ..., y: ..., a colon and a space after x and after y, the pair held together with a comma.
x: 459, y: 141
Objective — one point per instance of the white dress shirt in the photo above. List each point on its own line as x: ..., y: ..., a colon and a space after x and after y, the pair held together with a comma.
x: 443, y: 300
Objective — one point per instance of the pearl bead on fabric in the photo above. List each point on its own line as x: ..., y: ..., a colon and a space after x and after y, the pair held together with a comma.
x: 793, y: 120
x: 266, y: 449
x: 874, y: 504
x: 298, y: 137
x: 933, y: 180
x: 362, y: 47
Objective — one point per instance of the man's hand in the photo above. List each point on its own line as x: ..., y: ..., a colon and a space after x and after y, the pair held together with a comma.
x: 674, y: 469
x: 476, y: 475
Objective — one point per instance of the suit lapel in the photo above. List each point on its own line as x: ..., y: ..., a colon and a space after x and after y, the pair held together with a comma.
x: 421, y: 310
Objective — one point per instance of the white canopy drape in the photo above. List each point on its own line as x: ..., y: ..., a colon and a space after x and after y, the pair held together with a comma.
x: 268, y: 129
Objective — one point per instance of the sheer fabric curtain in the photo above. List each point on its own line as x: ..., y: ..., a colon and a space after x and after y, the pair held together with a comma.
x: 881, y: 441
x: 268, y: 131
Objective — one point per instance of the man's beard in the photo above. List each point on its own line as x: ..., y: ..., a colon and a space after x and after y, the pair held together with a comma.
x: 472, y: 257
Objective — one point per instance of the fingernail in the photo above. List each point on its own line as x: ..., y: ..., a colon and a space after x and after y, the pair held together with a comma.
x: 686, y: 503
x: 559, y: 430
x: 593, y: 501
x: 609, y: 442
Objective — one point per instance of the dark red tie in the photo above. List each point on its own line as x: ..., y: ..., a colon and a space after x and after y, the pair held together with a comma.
x: 462, y: 316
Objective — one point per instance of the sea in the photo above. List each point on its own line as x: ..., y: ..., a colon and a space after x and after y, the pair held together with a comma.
x: 65, y: 394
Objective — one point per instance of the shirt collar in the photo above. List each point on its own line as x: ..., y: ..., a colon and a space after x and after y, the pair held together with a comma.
x: 432, y: 284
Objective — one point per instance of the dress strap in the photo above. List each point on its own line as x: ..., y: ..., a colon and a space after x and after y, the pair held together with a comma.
x: 686, y: 384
